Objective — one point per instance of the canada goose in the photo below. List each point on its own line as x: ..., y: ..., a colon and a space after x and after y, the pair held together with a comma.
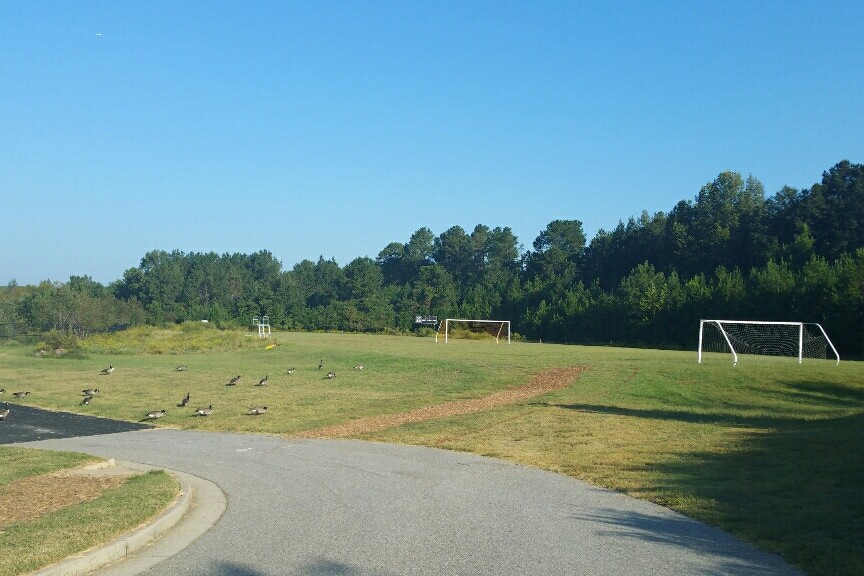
x: 263, y: 381
x: 184, y: 401
x: 205, y: 411
x: 359, y: 367
x: 291, y: 370
x: 180, y: 368
x: 86, y: 400
x: 108, y: 370
x: 331, y: 375
x: 320, y: 364
x: 233, y: 381
x: 4, y: 412
x: 257, y: 410
x: 20, y: 394
x: 155, y: 414
x: 90, y: 391
x: 2, y: 390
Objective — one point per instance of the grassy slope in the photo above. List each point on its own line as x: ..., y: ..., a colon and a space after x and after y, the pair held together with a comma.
x: 769, y: 449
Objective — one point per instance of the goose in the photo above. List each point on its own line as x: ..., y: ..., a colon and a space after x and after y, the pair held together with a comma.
x: 320, y: 364
x: 108, y: 370
x: 180, y: 368
x: 20, y: 394
x: 86, y: 400
x: 331, y: 375
x: 2, y: 390
x: 233, y: 381
x: 291, y: 370
x: 4, y: 412
x: 184, y: 401
x: 205, y: 411
x: 155, y: 414
x: 90, y: 391
x: 359, y: 367
x: 257, y: 410
x: 263, y: 381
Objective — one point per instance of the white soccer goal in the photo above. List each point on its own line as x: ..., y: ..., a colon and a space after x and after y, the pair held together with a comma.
x: 796, y: 339
x: 492, y: 327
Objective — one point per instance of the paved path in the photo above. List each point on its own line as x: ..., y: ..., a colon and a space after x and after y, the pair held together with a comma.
x: 341, y: 507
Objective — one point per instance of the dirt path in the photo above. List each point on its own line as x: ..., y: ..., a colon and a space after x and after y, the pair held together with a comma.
x: 544, y: 382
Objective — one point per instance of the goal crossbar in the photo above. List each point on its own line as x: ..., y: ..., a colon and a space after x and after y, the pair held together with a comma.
x: 446, y: 325
x: 799, y: 329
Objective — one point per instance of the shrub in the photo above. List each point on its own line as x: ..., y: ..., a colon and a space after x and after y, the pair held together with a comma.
x: 58, y: 343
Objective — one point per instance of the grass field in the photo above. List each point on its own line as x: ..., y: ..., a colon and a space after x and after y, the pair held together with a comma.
x: 770, y: 450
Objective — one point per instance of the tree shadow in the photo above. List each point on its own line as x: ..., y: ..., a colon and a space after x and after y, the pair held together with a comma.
x: 796, y: 486
x: 798, y: 489
x: 722, y: 418
x: 828, y: 395
x: 29, y: 424
x: 317, y: 567
x: 729, y: 555
x: 815, y: 395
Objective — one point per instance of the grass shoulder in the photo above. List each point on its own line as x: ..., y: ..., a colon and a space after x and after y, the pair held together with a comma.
x: 67, y: 514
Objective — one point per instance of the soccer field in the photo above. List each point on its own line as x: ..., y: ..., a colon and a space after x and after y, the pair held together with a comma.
x: 768, y: 449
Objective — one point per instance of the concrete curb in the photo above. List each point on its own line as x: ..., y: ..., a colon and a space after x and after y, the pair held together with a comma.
x: 200, y: 504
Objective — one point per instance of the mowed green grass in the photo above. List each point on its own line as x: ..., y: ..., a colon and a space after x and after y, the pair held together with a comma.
x: 770, y: 450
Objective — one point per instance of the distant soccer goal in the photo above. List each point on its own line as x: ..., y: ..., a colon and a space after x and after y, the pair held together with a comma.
x: 738, y: 337
x: 473, y: 329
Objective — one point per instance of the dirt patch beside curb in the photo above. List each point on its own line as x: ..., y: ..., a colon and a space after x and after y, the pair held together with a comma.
x: 544, y: 382
x: 30, y: 498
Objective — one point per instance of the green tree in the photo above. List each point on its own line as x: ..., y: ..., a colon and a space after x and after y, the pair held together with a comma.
x: 836, y: 210
x: 454, y: 253
x: 772, y: 291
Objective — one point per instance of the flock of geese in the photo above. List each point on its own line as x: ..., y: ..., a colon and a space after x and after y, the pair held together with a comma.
x: 91, y: 393
x: 208, y: 410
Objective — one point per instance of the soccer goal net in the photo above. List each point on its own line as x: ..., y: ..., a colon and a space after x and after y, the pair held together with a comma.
x: 795, y: 339
x: 473, y: 329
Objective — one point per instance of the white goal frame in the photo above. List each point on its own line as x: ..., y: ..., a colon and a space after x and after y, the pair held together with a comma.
x: 800, y: 325
x: 446, y: 325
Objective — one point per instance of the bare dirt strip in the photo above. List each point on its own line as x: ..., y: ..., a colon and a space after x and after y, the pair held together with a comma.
x: 548, y: 381
x: 30, y: 498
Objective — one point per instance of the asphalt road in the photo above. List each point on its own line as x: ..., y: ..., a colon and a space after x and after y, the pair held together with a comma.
x: 26, y: 424
x: 315, y: 507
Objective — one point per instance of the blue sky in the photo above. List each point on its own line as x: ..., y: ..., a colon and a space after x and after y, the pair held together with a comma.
x: 334, y: 128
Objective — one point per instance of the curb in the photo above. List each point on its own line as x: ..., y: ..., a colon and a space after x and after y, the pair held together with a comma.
x: 192, y: 491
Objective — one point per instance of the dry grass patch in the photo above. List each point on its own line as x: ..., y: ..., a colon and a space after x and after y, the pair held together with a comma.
x: 30, y: 498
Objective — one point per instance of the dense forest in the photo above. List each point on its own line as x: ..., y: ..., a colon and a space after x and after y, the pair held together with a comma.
x: 731, y: 252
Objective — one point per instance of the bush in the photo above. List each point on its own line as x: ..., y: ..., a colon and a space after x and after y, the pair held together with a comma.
x: 58, y: 343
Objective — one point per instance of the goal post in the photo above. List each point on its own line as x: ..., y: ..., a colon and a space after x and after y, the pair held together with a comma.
x: 797, y: 339
x: 445, y: 327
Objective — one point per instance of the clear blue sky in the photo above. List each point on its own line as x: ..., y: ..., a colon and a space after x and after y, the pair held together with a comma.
x: 335, y: 128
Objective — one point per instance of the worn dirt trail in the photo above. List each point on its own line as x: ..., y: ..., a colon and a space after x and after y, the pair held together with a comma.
x: 547, y: 381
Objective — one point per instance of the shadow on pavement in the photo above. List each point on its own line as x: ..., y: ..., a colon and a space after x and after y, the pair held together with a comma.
x: 27, y: 424
x: 319, y: 567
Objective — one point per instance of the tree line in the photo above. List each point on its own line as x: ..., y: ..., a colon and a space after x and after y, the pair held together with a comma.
x: 730, y: 252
